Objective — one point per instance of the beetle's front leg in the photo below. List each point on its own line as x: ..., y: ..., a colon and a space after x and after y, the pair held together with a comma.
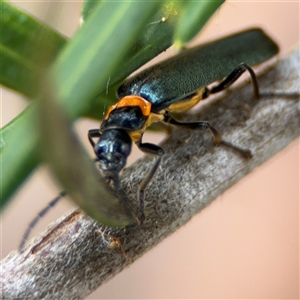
x: 93, y: 133
x: 245, y: 153
x: 149, y: 149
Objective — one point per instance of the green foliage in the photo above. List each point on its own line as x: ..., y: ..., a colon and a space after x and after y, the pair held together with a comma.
x: 21, y: 35
x: 194, y: 16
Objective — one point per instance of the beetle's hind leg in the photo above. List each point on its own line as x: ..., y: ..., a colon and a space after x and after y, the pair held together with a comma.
x: 245, y: 153
x: 232, y: 77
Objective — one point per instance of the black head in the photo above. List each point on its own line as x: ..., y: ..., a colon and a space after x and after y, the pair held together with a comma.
x: 112, y: 151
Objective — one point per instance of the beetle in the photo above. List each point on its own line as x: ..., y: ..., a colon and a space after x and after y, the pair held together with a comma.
x: 174, y: 85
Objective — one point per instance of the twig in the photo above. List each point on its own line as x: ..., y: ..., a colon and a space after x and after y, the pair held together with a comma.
x: 74, y: 255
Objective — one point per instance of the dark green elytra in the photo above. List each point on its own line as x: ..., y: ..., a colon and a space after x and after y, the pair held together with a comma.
x: 182, y: 75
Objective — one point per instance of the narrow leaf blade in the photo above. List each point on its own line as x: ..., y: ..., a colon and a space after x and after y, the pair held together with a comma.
x: 26, y: 47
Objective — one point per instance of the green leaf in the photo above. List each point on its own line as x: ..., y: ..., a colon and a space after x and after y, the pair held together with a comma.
x: 88, y: 7
x: 18, y: 154
x: 75, y: 169
x: 26, y: 47
x: 194, y: 16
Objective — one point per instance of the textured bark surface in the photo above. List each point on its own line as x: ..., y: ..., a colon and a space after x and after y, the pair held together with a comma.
x: 75, y: 255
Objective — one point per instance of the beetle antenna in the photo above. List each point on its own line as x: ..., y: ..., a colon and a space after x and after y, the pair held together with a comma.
x: 38, y: 217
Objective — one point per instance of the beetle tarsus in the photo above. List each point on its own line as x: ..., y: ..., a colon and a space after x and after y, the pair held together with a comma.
x: 141, y: 215
x: 244, y: 153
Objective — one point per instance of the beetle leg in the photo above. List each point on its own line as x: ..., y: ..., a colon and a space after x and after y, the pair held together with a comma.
x: 194, y: 125
x: 232, y: 77
x: 245, y: 153
x: 149, y: 149
x: 93, y: 133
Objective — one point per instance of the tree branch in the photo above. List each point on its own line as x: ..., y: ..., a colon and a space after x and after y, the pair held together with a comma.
x: 74, y: 255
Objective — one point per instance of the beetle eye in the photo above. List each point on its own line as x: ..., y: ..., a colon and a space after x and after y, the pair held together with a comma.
x: 125, y: 149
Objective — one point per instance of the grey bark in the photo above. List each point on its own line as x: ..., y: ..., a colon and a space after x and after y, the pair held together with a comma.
x: 74, y: 256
